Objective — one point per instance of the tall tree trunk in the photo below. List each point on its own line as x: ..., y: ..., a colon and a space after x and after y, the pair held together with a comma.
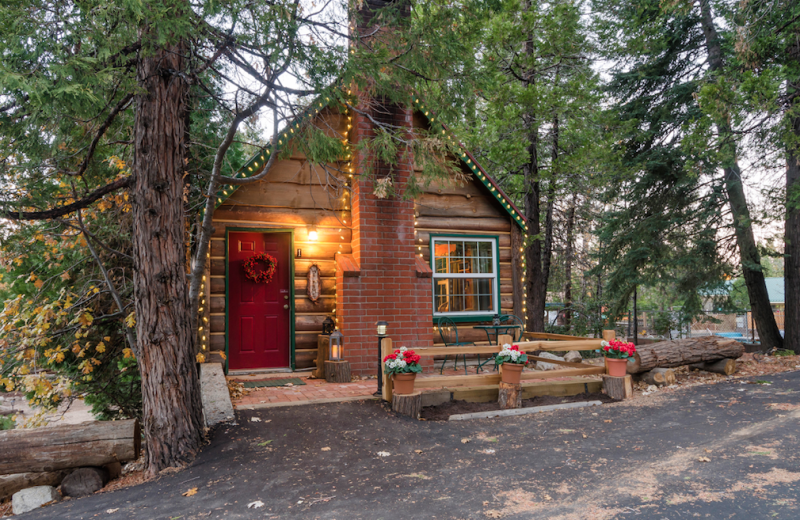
x: 568, y: 260
x: 533, y: 254
x: 792, y: 231
x: 547, y: 252
x: 170, y: 386
x: 751, y: 259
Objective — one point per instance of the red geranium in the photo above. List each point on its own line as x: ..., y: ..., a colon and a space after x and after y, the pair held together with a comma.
x: 617, y: 349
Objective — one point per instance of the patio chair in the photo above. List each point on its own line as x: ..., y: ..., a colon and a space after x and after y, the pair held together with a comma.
x: 448, y: 331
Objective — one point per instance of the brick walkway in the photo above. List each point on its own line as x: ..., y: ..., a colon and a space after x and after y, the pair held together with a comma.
x: 314, y: 390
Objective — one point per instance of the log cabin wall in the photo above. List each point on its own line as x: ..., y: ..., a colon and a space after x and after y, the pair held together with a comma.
x: 293, y: 196
x: 453, y: 208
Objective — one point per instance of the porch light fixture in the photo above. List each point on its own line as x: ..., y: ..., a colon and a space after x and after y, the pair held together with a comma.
x: 381, y: 326
x: 335, y: 347
x: 381, y: 330
x: 312, y: 234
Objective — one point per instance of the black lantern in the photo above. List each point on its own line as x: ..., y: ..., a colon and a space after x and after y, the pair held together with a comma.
x: 328, y: 326
x: 335, y: 347
x: 496, y: 320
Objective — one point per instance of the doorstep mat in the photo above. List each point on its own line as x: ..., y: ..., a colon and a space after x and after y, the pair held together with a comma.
x: 294, y: 381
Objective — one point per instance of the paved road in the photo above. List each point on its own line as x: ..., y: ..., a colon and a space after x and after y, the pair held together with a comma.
x: 620, y: 460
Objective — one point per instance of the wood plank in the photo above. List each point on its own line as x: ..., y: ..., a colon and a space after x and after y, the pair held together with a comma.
x: 494, y: 377
x: 386, y: 349
x: 560, y: 346
x: 323, y: 305
x: 450, y: 187
x: 451, y: 351
x: 309, y: 323
x: 218, y: 267
x: 464, y: 224
x: 504, y: 239
x: 217, y: 285
x: 217, y: 323
x: 327, y: 268
x: 547, y: 335
x: 295, y: 171
x: 434, y: 205
x: 216, y: 342
x: 230, y: 215
x: 217, y: 304
x: 571, y: 386
x: 284, y: 195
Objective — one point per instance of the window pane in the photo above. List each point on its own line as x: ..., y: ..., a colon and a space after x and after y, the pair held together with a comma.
x: 441, y: 249
x: 485, y: 248
x: 441, y: 265
x: 485, y: 303
x: 457, y: 249
x: 486, y: 266
x: 485, y: 286
x: 470, y: 249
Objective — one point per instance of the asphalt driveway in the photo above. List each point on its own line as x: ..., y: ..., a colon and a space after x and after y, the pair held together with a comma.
x: 715, y: 451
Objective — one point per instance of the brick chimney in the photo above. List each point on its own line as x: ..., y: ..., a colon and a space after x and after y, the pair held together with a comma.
x: 389, y: 286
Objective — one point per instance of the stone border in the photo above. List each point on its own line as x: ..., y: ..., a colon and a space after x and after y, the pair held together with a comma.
x: 521, y: 411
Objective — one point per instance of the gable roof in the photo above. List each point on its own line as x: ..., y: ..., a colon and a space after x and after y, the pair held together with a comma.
x: 254, y: 165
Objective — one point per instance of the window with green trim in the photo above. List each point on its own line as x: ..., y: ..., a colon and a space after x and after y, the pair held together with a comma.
x: 464, y: 276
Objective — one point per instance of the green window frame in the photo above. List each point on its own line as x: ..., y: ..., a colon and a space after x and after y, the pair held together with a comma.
x: 466, y: 276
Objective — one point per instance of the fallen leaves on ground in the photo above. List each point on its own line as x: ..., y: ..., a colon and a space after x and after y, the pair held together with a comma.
x: 464, y: 441
x: 326, y: 448
x: 255, y: 505
x: 192, y: 492
x: 383, y: 454
x: 704, y: 459
x: 236, y: 389
x: 255, y: 419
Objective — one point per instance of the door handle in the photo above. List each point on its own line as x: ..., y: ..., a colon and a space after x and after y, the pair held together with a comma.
x: 286, y: 306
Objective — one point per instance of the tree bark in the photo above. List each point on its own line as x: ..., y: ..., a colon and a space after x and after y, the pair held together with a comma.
x: 791, y: 271
x: 62, y: 447
x: 679, y: 352
x: 10, y: 484
x: 533, y: 276
x: 618, y: 387
x: 659, y: 377
x: 751, y: 259
x: 170, y: 387
x: 407, y: 404
x: 337, y: 371
x: 568, y: 260
x: 723, y: 366
x: 509, y: 395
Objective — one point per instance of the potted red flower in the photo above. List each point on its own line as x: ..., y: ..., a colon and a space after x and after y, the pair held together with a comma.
x: 511, y: 362
x: 403, y: 365
x: 617, y: 354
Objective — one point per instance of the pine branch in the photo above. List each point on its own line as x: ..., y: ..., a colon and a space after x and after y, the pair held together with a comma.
x: 54, y: 213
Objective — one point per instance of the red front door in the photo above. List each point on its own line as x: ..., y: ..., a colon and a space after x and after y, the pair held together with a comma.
x: 259, y: 314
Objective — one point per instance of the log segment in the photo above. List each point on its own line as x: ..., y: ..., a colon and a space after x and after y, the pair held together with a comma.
x: 618, y: 387
x: 667, y: 354
x: 10, y: 484
x: 61, y: 447
x: 407, y: 404
x: 509, y: 396
x: 659, y: 377
x: 337, y: 371
x: 723, y: 366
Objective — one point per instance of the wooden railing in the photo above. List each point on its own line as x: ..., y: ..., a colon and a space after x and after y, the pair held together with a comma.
x: 561, y: 343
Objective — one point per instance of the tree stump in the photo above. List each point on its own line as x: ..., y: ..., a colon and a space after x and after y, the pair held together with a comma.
x: 323, y: 343
x: 337, y: 371
x: 659, y: 377
x: 407, y: 404
x: 509, y: 395
x: 84, y: 481
x: 618, y: 387
x: 723, y: 366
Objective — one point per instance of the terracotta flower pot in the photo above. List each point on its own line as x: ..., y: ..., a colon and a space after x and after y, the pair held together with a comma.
x: 403, y: 383
x: 511, y: 372
x: 617, y: 367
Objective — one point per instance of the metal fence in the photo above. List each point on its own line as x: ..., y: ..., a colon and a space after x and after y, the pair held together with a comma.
x: 674, y: 325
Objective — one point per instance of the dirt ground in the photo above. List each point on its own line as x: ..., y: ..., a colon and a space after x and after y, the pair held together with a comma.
x: 727, y: 450
x: 443, y: 411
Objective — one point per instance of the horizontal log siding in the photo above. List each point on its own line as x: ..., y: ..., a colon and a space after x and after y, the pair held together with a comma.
x: 452, y: 209
x: 291, y: 196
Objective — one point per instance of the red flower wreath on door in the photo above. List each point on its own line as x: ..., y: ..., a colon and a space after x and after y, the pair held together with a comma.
x: 249, y: 267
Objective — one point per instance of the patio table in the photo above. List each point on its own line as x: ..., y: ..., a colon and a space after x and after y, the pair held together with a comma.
x: 496, y: 330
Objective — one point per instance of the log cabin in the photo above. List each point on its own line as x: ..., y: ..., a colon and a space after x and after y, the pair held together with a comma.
x: 452, y: 250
